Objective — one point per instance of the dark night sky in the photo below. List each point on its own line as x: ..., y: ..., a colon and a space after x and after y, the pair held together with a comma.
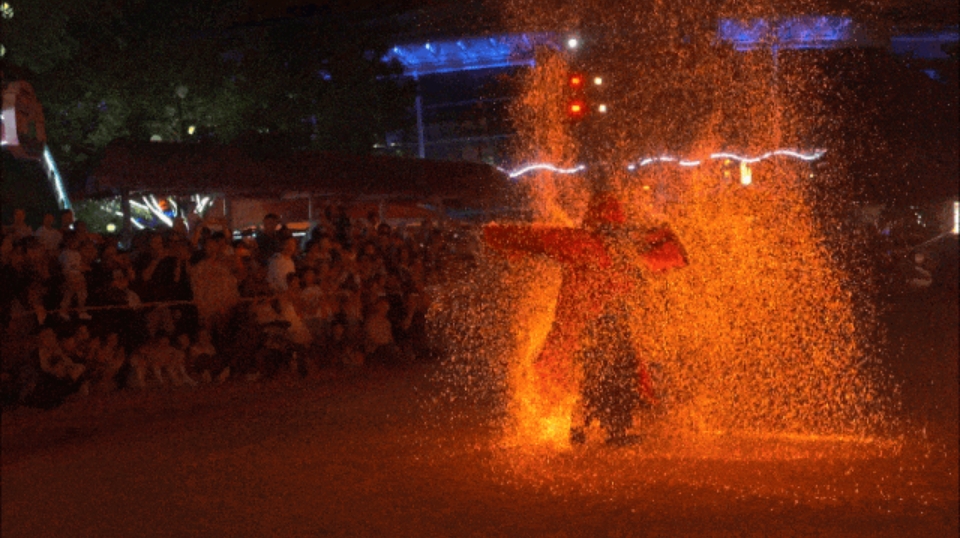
x: 280, y: 8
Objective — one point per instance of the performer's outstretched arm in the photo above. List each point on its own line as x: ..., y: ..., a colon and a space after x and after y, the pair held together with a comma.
x: 566, y: 245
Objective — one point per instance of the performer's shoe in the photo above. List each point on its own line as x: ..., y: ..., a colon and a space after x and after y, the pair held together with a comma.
x: 578, y: 436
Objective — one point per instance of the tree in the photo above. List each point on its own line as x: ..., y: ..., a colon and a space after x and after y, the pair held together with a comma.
x: 186, y: 70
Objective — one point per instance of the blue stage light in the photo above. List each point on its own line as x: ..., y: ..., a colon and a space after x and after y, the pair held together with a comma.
x: 802, y: 32
x: 470, y: 53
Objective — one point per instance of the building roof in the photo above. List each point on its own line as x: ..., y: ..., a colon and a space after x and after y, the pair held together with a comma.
x: 174, y: 168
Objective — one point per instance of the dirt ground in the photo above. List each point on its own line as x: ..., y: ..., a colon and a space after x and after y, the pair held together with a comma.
x: 393, y: 453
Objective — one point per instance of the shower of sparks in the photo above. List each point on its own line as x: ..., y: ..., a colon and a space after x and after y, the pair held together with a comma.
x: 764, y: 338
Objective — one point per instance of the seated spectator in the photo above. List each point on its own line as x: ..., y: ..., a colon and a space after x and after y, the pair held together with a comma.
x: 27, y: 310
x: 104, y: 362
x: 341, y: 350
x: 158, y: 356
x: 59, y: 377
x: 205, y: 359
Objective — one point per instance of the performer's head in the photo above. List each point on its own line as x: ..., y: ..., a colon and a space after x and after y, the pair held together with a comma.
x: 604, y: 212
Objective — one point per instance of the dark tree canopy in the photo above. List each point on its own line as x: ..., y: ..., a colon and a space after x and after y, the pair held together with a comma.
x: 187, y: 70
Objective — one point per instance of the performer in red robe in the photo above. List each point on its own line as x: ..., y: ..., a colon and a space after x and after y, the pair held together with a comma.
x: 599, y: 265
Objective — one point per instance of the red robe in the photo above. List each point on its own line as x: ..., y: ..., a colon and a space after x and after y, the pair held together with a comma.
x: 589, y: 283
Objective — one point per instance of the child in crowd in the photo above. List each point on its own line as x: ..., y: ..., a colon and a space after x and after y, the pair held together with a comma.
x: 351, y: 310
x: 311, y: 299
x: 74, y: 281
x: 104, y: 362
x: 204, y: 358
x: 158, y: 356
x: 379, y: 345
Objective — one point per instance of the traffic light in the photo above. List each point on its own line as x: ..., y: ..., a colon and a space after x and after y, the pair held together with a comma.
x: 576, y: 109
x: 576, y: 100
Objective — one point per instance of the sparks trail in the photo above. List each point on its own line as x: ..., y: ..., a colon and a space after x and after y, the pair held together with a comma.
x: 763, y: 333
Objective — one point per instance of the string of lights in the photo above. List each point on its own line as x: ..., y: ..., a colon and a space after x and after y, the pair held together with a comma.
x: 543, y: 166
x: 803, y: 156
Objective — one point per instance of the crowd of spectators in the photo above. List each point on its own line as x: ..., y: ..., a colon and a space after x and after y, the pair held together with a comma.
x: 187, y: 306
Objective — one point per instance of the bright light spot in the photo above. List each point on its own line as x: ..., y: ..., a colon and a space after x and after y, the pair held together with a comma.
x: 573, y: 43
x: 646, y: 187
x: 7, y: 10
x: 602, y: 109
x: 192, y: 129
x: 111, y: 227
x: 597, y: 81
x: 156, y: 138
x: 956, y: 217
x: 746, y: 175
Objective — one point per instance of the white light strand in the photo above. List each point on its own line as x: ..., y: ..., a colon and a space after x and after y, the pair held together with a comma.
x: 812, y: 156
x: 784, y: 152
x: 542, y: 166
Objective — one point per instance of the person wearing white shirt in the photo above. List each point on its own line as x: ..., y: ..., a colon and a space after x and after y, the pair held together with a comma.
x: 281, y: 265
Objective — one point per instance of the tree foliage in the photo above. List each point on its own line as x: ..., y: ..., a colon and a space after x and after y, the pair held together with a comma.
x: 107, y: 69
